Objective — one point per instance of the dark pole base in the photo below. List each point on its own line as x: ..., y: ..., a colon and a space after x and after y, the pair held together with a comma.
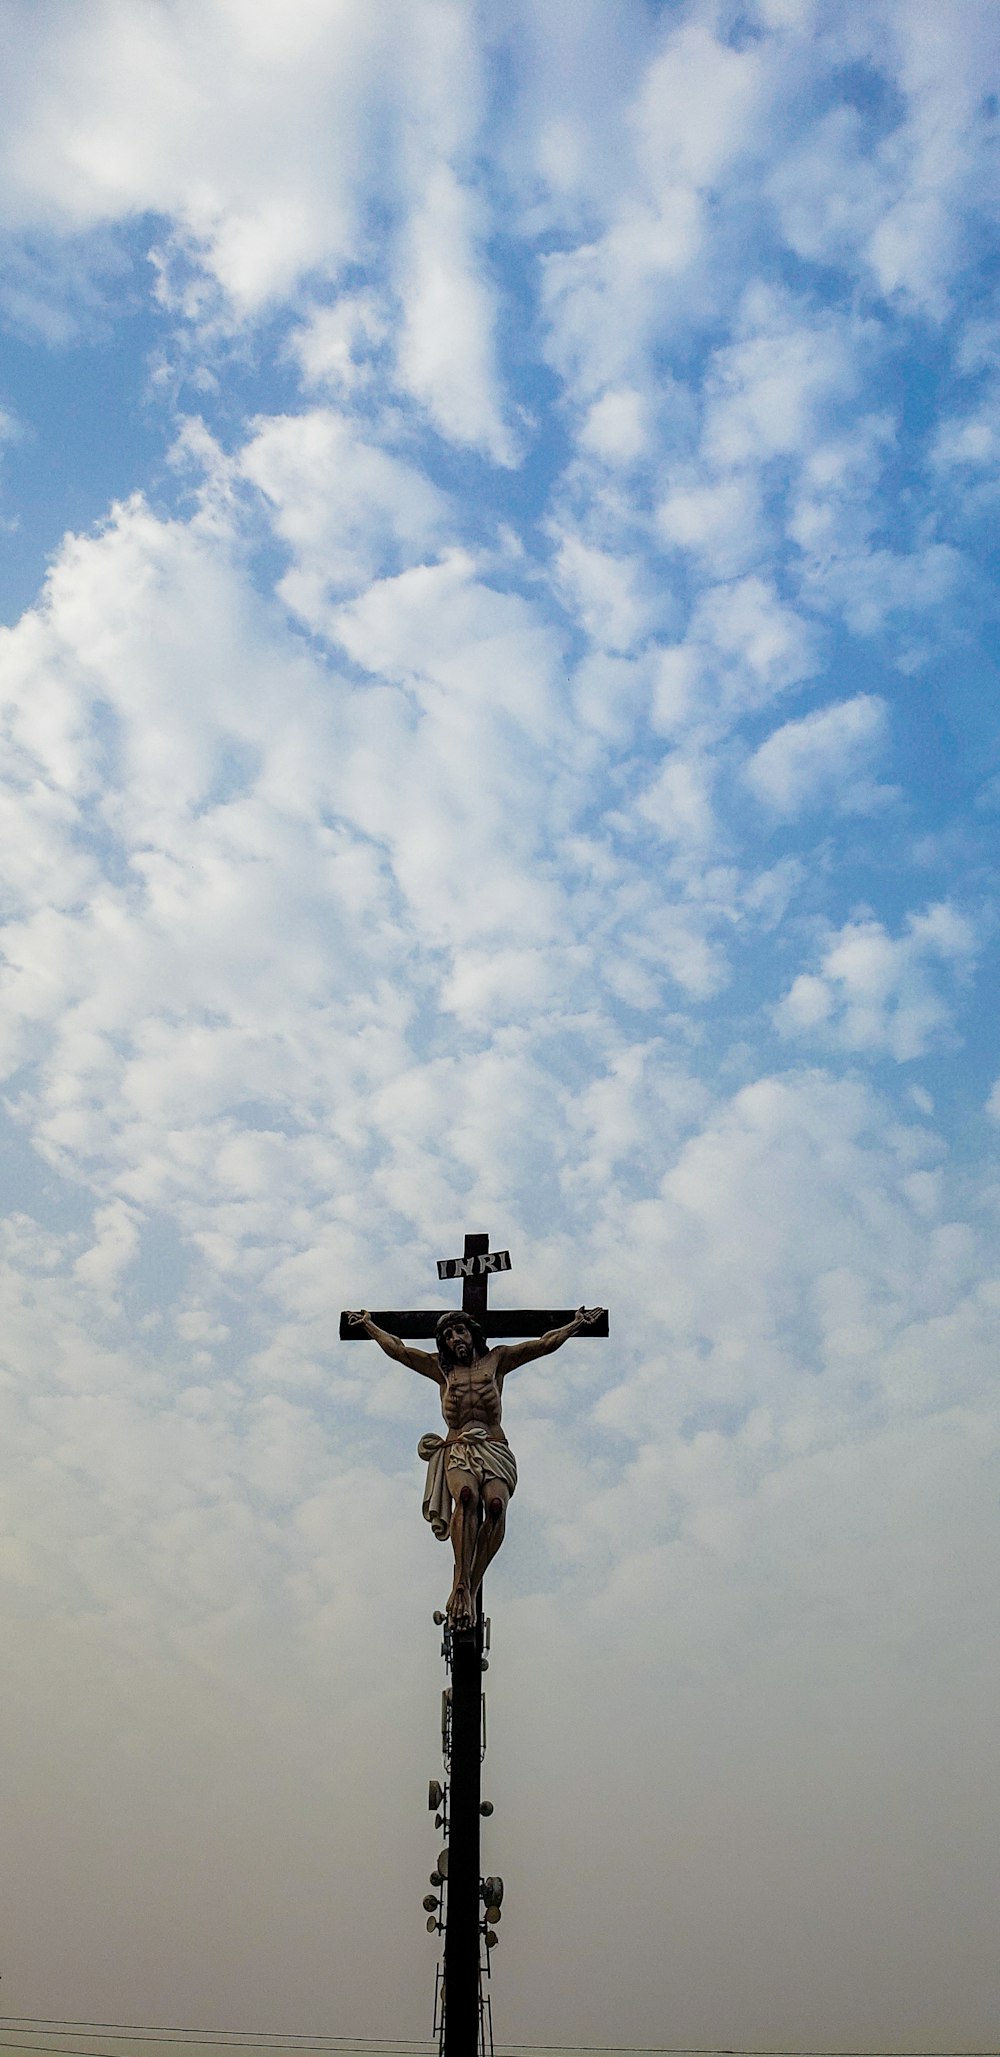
x: 461, y: 1941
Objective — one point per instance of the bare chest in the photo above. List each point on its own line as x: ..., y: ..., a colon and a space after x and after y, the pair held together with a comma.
x: 471, y: 1393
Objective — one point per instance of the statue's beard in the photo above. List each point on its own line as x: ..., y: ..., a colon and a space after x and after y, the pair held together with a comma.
x: 463, y: 1359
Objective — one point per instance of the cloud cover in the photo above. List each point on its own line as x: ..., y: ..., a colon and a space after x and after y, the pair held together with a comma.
x: 518, y: 759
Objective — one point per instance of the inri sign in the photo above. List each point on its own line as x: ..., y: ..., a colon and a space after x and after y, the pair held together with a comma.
x: 473, y: 1267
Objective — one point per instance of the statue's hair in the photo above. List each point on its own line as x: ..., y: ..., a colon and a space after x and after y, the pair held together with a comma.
x: 479, y: 1343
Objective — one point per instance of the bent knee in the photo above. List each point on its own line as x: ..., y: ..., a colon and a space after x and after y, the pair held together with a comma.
x: 466, y: 1496
x: 496, y: 1510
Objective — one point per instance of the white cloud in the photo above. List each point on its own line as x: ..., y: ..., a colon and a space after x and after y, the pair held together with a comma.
x: 823, y: 758
x: 836, y: 512
x: 439, y: 626
x: 769, y: 646
x: 506, y: 982
x: 774, y: 424
x: 445, y: 351
x: 264, y: 154
x: 768, y: 392
x: 611, y: 596
x: 744, y: 647
x: 678, y: 802
x: 678, y: 675
x: 878, y: 993
x: 938, y: 157
x: 605, y: 299
x: 611, y: 694
x: 896, y: 200
x: 834, y: 505
x: 115, y: 1244
x: 720, y: 521
x: 136, y: 998
x: 701, y: 103
x: 829, y: 189
x: 638, y: 261
x: 969, y: 441
x: 870, y: 586
x: 345, y: 507
x: 121, y: 115
x: 616, y: 427
x: 335, y: 345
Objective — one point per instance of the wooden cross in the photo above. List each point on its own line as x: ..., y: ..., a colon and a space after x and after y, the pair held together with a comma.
x: 475, y: 1270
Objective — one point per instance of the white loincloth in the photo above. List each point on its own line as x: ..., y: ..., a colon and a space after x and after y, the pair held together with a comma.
x: 475, y: 1451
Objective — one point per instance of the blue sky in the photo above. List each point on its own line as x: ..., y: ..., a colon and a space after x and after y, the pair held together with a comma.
x: 499, y: 688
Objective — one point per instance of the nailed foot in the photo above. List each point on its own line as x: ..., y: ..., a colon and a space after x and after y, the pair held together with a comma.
x: 461, y: 1612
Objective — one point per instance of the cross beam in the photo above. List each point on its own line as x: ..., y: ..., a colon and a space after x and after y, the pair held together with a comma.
x: 415, y: 1324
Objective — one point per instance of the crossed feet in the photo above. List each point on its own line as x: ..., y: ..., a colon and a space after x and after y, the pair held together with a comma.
x: 461, y: 1611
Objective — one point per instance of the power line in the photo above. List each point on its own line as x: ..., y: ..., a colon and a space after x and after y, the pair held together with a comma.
x: 339, y: 2046
x: 237, y: 2038
x: 241, y: 2037
x: 294, y: 2039
x: 375, y: 2046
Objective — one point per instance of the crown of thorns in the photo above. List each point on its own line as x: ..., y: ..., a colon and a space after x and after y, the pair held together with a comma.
x: 446, y: 1321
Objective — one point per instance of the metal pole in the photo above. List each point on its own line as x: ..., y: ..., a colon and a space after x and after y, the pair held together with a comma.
x: 461, y: 1938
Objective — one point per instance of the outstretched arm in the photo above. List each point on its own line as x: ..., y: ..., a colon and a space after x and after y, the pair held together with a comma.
x: 513, y: 1354
x: 424, y: 1361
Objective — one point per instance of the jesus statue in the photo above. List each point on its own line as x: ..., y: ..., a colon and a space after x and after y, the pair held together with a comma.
x: 471, y: 1472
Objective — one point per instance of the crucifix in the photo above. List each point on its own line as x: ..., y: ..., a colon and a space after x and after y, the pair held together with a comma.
x: 471, y: 1474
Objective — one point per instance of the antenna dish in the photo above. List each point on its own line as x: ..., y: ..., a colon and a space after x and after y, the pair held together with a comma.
x: 485, y: 1806
x: 442, y: 1863
x: 431, y: 1924
x: 435, y: 1795
x: 492, y: 1939
x: 431, y: 1903
x: 492, y: 1913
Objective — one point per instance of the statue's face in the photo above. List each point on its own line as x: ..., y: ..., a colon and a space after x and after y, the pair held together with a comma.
x: 457, y: 1339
